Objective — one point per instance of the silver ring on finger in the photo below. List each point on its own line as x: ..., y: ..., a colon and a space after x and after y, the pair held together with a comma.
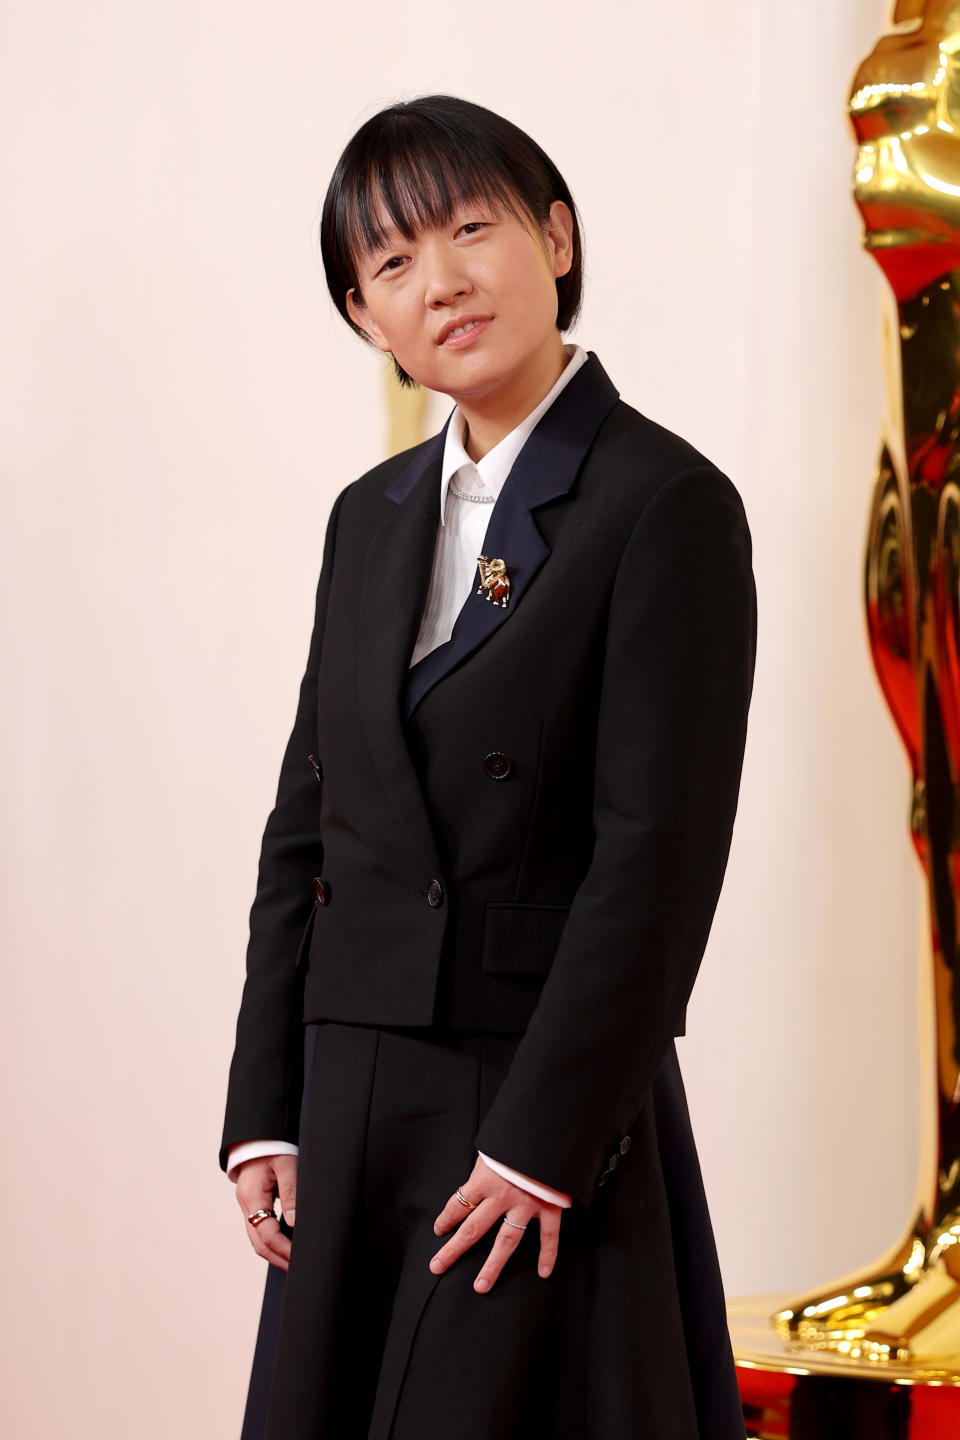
x: 258, y: 1217
x: 513, y: 1223
x: 470, y: 1204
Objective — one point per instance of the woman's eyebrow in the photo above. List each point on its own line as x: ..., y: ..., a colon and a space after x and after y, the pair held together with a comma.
x: 388, y: 236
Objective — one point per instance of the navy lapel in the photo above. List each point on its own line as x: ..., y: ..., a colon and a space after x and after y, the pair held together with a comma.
x: 545, y: 469
x: 399, y: 562
x: 396, y: 577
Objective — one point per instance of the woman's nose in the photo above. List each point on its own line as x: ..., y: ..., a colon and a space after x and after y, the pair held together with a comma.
x: 445, y: 284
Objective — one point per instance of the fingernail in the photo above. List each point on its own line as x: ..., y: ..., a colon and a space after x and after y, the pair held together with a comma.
x: 436, y: 1265
x: 291, y: 1217
x: 544, y: 1270
x: 482, y: 1285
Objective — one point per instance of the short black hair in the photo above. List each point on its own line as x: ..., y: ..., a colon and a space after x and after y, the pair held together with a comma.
x: 418, y: 160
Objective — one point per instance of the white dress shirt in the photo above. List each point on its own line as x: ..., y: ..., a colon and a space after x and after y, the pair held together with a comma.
x: 463, y: 526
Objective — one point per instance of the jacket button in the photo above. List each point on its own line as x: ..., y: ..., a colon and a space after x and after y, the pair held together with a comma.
x: 497, y: 765
x: 614, y: 1161
x: 435, y: 893
x: 315, y: 766
x: 322, y: 890
x: 624, y: 1144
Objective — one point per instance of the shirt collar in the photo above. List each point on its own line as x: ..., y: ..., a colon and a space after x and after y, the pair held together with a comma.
x: 495, y: 466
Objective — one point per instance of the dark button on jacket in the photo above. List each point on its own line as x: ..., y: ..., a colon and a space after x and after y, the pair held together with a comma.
x: 322, y: 890
x: 497, y: 765
x: 435, y: 893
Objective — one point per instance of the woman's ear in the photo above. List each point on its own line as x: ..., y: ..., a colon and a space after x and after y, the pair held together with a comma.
x: 558, y: 234
x: 362, y: 318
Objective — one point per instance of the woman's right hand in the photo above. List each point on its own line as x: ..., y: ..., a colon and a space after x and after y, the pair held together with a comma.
x: 258, y: 1183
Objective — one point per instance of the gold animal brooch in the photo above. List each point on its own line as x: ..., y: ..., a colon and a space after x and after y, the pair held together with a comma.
x: 493, y: 575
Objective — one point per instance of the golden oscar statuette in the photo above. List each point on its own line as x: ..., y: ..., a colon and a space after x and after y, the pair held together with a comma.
x: 876, y: 1353
x: 406, y: 412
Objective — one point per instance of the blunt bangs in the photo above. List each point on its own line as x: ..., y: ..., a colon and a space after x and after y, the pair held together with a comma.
x: 412, y: 165
x: 415, y: 189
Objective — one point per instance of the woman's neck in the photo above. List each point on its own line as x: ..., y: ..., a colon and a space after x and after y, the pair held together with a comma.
x: 488, y: 418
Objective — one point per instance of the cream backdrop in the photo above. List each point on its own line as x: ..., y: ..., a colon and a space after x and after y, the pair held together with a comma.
x: 180, y: 407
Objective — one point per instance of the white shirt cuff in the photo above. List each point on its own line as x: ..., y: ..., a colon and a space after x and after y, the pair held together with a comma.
x: 253, y: 1150
x: 543, y: 1192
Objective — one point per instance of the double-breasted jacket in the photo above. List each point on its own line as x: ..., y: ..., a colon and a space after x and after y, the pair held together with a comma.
x: 526, y: 833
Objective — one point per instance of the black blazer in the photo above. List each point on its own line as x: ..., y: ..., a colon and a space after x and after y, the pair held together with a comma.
x: 526, y: 833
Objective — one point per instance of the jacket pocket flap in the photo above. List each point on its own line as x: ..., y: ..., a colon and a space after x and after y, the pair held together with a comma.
x: 521, y: 939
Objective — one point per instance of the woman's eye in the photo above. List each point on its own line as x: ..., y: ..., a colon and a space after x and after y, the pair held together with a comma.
x: 473, y: 225
x: 393, y: 263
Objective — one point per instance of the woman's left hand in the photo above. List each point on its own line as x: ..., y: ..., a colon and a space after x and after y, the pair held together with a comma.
x: 493, y: 1198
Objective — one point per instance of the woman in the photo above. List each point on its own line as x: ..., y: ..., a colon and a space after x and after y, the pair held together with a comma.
x: 526, y: 702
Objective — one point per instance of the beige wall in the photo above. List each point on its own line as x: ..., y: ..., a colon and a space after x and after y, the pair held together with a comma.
x: 180, y: 406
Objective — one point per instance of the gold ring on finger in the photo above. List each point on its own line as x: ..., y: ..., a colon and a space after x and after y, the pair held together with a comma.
x: 258, y: 1217
x: 471, y: 1204
x: 513, y: 1223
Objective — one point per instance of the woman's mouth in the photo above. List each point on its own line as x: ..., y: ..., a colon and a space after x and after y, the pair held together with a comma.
x: 465, y: 334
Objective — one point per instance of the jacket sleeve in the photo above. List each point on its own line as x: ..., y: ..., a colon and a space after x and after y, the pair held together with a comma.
x: 265, y: 1082
x: 672, y: 718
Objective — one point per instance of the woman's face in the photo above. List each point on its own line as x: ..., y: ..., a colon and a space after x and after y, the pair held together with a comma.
x: 483, y: 270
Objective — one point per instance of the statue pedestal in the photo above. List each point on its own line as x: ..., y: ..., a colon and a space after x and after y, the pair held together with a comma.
x: 792, y: 1392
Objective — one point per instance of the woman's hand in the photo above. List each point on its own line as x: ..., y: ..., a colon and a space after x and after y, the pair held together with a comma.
x: 258, y: 1183
x: 493, y: 1197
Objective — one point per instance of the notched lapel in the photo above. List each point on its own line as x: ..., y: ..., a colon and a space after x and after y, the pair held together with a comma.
x: 544, y: 470
x: 396, y: 577
x: 514, y: 536
x: 397, y: 572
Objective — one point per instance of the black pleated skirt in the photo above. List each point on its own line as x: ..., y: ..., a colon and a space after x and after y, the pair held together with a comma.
x: 361, y: 1341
